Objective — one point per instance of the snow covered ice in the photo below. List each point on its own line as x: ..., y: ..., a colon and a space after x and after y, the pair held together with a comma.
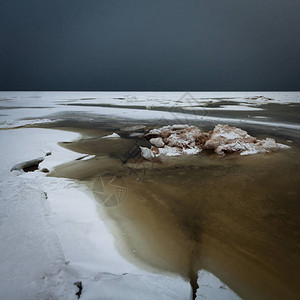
x: 51, y: 233
x: 52, y: 236
x: 186, y: 140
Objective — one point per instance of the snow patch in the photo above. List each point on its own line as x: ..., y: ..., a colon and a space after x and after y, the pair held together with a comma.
x: 113, y: 135
x: 88, y: 157
x: 52, y: 236
x: 157, y: 142
x: 21, y: 123
x: 211, y: 288
x: 146, y: 153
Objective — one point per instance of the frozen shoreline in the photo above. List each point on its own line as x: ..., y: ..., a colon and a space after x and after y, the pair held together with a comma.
x: 66, y: 235
x: 54, y: 221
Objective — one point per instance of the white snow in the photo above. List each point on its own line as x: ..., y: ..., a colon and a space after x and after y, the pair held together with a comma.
x: 227, y: 138
x: 113, y: 135
x: 55, y: 103
x: 21, y: 123
x: 225, y: 107
x: 169, y: 151
x: 174, y: 140
x: 87, y: 157
x: 32, y: 263
x: 211, y: 288
x: 282, y: 146
x: 146, y: 153
x: 51, y: 234
x: 192, y: 140
x: 191, y: 151
x: 157, y: 142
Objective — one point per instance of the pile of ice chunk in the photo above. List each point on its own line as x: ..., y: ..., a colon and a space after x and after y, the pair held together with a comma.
x: 176, y: 140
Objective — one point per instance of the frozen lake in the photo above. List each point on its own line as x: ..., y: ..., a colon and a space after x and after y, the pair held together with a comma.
x: 236, y: 217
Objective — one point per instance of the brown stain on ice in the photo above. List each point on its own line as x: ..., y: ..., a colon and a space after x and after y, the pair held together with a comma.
x: 237, y: 217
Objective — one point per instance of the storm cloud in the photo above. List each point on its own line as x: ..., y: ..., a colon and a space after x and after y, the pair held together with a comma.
x: 150, y: 45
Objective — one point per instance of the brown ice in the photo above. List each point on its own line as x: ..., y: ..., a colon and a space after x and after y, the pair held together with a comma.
x: 235, y: 216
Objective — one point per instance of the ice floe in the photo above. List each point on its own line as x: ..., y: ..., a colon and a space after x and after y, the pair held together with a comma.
x: 21, y: 123
x: 113, y: 135
x: 186, y: 140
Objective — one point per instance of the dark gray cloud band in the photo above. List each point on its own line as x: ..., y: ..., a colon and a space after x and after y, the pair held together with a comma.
x: 150, y: 45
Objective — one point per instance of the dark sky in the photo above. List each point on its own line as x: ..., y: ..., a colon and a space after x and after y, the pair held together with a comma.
x: 150, y: 45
